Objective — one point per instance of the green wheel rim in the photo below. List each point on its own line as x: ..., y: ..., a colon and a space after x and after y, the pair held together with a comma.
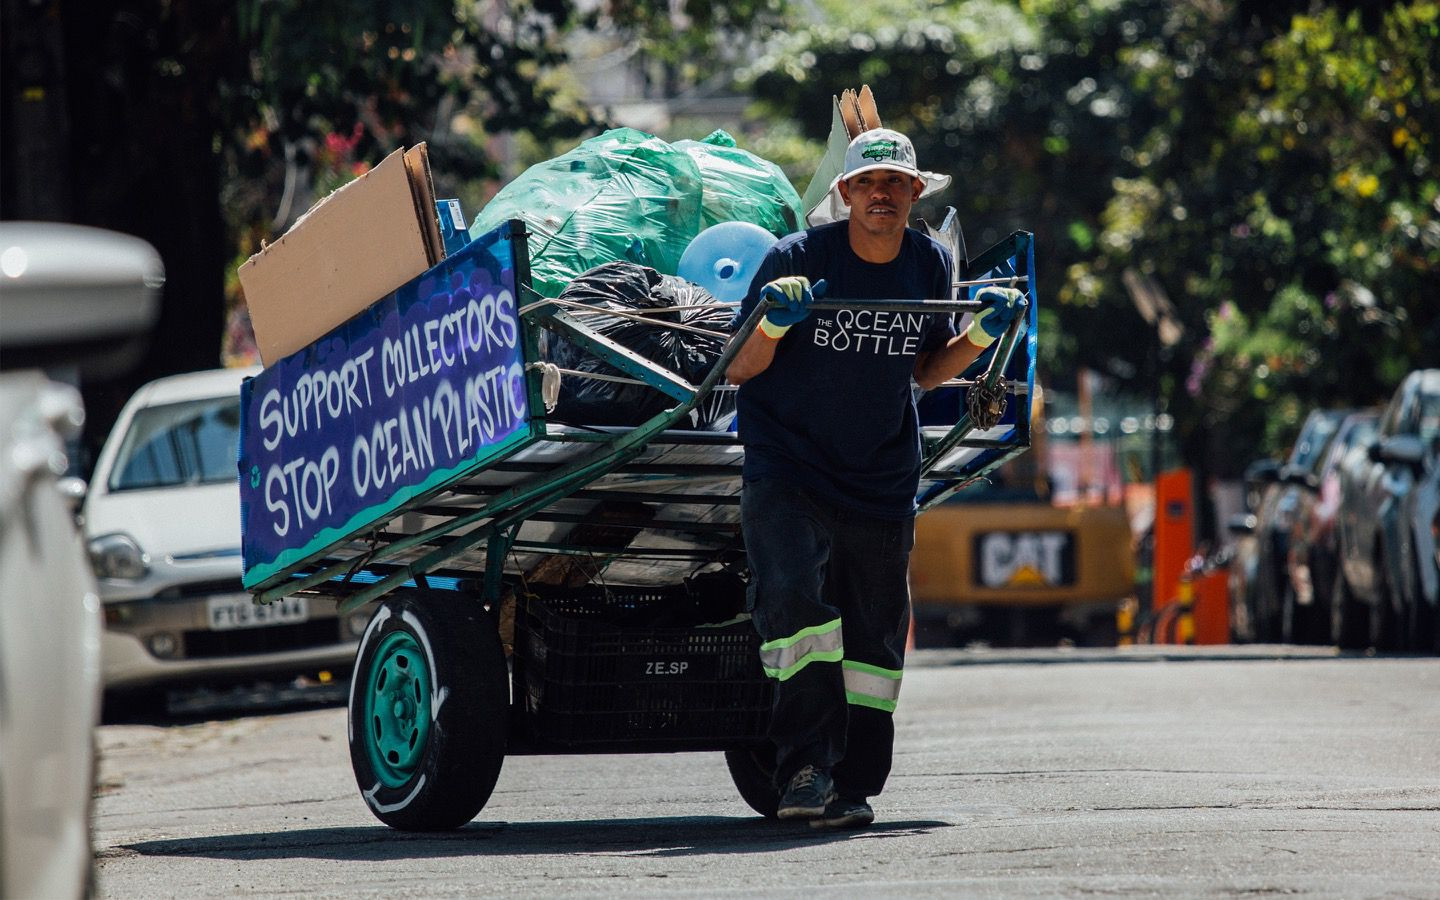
x: 397, y: 708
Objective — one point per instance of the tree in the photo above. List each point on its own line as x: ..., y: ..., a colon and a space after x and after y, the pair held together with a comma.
x: 139, y: 124
x: 334, y: 86
x: 1029, y: 107
x: 1291, y: 208
x: 207, y: 126
x: 1268, y: 167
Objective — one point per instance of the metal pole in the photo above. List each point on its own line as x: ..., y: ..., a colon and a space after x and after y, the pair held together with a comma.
x: 1147, y: 598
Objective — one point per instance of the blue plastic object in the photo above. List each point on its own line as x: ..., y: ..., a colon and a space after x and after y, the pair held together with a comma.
x: 452, y: 226
x: 723, y: 258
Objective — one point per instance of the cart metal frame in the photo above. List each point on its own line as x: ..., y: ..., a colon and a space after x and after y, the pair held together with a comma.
x: 477, y: 529
x: 492, y: 522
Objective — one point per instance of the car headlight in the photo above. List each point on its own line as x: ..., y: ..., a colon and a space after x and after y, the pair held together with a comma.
x: 118, y: 556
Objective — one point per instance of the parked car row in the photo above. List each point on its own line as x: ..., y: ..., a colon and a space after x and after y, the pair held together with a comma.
x: 1343, y: 545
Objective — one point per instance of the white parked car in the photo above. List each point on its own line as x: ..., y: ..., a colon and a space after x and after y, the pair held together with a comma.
x: 162, y: 521
x: 73, y: 301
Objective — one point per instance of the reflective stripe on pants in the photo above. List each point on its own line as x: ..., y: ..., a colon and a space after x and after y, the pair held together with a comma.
x: 872, y: 686
x: 784, y: 657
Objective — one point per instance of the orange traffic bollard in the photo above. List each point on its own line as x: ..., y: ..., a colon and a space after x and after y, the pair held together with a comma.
x: 1185, y: 618
x: 1125, y: 621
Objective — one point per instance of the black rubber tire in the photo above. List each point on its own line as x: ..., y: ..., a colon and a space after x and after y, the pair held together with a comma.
x: 1422, y: 620
x: 1264, y: 622
x: 1421, y: 633
x: 1268, y: 614
x: 1349, y: 618
x: 467, y: 713
x: 1385, y: 624
x: 1292, y: 624
x: 753, y: 771
x: 1303, y: 624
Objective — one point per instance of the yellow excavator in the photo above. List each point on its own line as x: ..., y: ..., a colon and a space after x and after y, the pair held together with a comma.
x: 1001, y: 564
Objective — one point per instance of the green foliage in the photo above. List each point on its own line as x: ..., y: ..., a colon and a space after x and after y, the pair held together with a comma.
x: 1271, y: 167
x: 1310, y: 217
x: 697, y: 38
x: 797, y: 155
x: 326, y: 88
x: 314, y: 92
x: 334, y: 86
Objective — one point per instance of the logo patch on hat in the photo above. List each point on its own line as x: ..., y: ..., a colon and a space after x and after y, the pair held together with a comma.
x: 884, y: 148
x: 880, y: 150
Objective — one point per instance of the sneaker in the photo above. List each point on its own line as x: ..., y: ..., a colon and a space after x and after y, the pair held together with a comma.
x: 807, y: 794
x: 842, y: 813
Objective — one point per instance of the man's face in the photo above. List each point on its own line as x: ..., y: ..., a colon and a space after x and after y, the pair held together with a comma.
x: 880, y: 199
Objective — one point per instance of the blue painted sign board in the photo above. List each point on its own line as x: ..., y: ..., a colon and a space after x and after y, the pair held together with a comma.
x: 424, y: 385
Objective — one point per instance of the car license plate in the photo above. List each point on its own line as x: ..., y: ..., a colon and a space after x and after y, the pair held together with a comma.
x: 229, y: 611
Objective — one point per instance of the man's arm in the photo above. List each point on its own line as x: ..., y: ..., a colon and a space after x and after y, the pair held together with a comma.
x: 935, y: 367
x: 791, y: 296
x: 758, y: 351
x: 754, y: 357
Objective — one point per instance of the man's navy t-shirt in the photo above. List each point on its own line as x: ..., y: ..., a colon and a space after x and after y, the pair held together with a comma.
x: 834, y: 409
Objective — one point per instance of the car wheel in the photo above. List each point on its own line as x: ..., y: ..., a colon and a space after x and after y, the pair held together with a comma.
x: 1303, y: 624
x: 428, y: 712
x: 1349, y: 619
x: 1323, y: 573
x: 1292, y: 619
x: 1384, y: 623
x: 1422, y: 630
x: 1269, y: 613
x: 753, y: 771
x: 1421, y: 633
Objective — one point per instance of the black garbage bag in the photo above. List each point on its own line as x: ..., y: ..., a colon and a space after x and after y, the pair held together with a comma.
x: 629, y: 287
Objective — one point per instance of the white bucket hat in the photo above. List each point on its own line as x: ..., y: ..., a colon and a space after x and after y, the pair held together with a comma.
x: 879, y: 148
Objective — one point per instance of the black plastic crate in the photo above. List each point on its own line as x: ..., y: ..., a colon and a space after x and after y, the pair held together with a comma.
x: 598, y: 672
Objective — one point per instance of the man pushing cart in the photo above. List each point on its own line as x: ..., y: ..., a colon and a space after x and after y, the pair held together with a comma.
x: 551, y: 587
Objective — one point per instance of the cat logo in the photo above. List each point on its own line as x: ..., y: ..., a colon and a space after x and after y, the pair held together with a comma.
x: 1024, y: 559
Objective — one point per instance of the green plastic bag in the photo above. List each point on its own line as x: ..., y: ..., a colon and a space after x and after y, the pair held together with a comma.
x: 627, y: 196
x: 624, y: 195
x: 742, y: 187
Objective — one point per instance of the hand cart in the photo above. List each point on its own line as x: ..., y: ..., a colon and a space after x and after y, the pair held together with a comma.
x: 541, y: 587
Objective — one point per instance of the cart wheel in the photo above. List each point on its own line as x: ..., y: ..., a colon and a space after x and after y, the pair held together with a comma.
x: 429, y: 705
x: 753, y: 771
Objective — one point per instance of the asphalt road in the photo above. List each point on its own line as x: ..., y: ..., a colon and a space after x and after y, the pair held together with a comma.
x: 1026, y: 774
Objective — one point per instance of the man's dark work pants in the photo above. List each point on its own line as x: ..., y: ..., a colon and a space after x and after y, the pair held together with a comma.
x: 831, y: 602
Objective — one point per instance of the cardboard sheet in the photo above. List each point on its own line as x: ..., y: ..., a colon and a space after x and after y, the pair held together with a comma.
x: 352, y: 248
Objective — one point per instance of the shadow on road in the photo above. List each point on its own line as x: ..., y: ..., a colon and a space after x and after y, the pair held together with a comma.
x: 197, y: 703
x: 1140, y: 653
x: 654, y: 837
